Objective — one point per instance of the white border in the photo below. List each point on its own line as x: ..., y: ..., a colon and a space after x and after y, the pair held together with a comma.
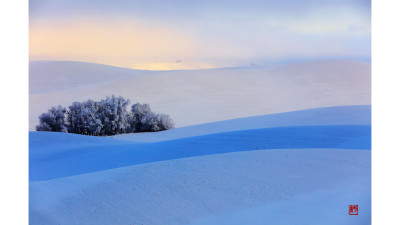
x: 14, y: 112
x: 385, y: 112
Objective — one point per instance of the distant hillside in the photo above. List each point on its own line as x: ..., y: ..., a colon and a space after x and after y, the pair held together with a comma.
x: 201, y: 96
x: 50, y: 76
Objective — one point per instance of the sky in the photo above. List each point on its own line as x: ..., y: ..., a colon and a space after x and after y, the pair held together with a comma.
x: 179, y: 34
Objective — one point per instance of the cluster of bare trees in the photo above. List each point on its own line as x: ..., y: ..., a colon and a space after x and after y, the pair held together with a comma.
x: 108, y: 116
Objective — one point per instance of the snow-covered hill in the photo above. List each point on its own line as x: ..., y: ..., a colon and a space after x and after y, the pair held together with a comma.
x: 53, y: 76
x: 55, y: 155
x: 302, y: 186
x: 60, y: 161
x: 281, y: 145
x: 253, y: 170
x: 201, y: 96
x: 338, y: 115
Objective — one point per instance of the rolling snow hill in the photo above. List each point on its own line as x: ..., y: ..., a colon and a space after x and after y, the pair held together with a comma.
x: 201, y: 96
x: 282, y: 145
x: 53, y: 76
x: 250, y: 170
x: 306, y: 186
x: 61, y: 161
x: 55, y: 155
x: 338, y: 115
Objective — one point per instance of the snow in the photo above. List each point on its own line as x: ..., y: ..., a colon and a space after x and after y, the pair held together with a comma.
x: 285, y: 186
x: 41, y: 142
x: 338, y: 115
x: 203, y: 96
x: 77, y: 160
x: 282, y: 145
x: 322, y: 206
x: 52, y: 76
x: 71, y: 154
x: 253, y: 170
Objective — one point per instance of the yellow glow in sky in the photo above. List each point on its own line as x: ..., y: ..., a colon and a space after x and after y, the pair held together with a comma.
x: 119, y: 44
x: 210, y: 40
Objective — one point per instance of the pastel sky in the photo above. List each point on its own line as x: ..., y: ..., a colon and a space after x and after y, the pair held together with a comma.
x: 192, y: 34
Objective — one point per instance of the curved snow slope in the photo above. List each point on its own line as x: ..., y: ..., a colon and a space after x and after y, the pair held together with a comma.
x: 61, y: 162
x: 302, y: 186
x: 51, y: 76
x: 44, y: 142
x: 338, y: 115
x: 203, y: 96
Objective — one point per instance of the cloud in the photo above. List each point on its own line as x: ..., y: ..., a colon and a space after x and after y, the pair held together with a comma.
x: 200, y: 33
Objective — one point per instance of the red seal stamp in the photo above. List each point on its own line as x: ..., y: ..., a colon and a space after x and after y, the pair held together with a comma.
x: 353, y: 209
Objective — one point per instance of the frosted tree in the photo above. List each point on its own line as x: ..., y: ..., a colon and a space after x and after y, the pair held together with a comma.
x: 156, y: 122
x: 114, y: 115
x: 53, y: 120
x: 140, y: 113
x: 74, y: 118
x: 165, y: 122
x: 83, y: 118
x: 92, y: 124
x: 106, y: 117
x: 149, y: 123
x: 144, y: 120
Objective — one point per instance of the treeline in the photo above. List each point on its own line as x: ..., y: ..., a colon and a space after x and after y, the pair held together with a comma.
x: 108, y: 116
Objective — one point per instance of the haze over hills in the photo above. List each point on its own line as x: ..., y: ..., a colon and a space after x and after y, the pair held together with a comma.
x: 200, y: 96
x: 52, y: 76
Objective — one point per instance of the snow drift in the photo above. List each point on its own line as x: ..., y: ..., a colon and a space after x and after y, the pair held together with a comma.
x: 202, y: 96
x: 311, y: 186
x: 283, y: 145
